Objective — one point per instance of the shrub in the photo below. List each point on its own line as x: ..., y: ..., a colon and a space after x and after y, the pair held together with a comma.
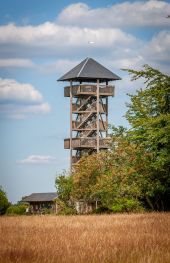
x: 126, y: 205
x: 46, y: 211
x: 4, y: 204
x: 65, y: 209
x: 16, y: 210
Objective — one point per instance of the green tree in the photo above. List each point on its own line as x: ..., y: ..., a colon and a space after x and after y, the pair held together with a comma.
x: 4, y: 204
x: 85, y: 175
x: 115, y: 178
x: 149, y: 116
x: 64, y: 185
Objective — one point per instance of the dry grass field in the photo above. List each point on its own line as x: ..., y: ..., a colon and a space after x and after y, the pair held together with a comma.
x: 138, y: 238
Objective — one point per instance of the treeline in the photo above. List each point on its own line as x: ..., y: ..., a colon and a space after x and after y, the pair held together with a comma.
x: 6, y: 208
x: 134, y: 174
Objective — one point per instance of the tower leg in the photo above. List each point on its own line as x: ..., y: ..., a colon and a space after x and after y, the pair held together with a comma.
x: 71, y: 99
x: 107, y: 116
x: 97, y: 119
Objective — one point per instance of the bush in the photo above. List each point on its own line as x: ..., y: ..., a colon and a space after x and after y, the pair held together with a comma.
x: 126, y: 205
x: 65, y: 209
x: 46, y: 211
x: 4, y: 204
x: 16, y: 210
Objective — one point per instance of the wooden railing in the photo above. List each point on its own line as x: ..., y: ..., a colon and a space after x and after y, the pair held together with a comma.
x: 89, y: 90
x: 86, y: 143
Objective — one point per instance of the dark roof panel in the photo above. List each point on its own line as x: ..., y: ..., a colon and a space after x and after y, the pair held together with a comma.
x: 40, y: 197
x: 73, y: 72
x: 89, y: 70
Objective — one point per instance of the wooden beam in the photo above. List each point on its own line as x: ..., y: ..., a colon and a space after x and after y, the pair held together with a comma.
x: 71, y: 98
x: 107, y: 116
x: 97, y: 119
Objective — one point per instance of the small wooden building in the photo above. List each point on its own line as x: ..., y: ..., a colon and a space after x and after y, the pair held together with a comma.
x: 41, y: 202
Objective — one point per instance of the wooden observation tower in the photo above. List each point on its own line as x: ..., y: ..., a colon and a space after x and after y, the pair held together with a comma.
x: 88, y: 91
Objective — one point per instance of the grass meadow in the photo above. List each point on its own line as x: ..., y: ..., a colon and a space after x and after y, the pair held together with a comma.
x: 138, y: 238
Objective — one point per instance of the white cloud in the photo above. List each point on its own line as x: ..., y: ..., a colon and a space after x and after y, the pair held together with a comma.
x: 17, y: 100
x: 128, y: 86
x: 11, y: 90
x: 121, y: 60
x: 51, y: 39
x: 68, y: 43
x: 15, y: 62
x: 69, y: 39
x: 137, y: 13
x: 15, y: 111
x: 159, y: 47
x: 155, y: 52
x: 60, y: 66
x: 38, y: 159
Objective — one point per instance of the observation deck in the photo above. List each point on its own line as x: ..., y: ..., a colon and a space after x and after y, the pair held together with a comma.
x: 89, y: 90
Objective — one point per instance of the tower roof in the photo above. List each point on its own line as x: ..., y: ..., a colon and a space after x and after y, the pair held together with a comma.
x: 89, y: 70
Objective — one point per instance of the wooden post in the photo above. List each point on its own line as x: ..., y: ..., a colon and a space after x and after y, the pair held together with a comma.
x: 97, y: 119
x: 107, y: 116
x: 107, y: 111
x: 71, y: 99
x: 96, y: 204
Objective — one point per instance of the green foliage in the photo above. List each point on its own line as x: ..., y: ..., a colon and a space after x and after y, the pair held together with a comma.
x: 119, y: 131
x: 114, y: 177
x: 64, y: 184
x: 16, y: 210
x: 46, y: 211
x: 149, y: 116
x: 4, y: 204
x: 85, y: 176
x: 126, y: 205
x: 65, y: 209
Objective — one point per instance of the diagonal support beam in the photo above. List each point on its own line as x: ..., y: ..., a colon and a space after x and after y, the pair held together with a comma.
x: 85, y: 119
x: 85, y: 102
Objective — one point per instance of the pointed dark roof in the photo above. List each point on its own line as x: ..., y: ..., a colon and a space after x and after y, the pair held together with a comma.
x: 40, y: 197
x: 89, y: 70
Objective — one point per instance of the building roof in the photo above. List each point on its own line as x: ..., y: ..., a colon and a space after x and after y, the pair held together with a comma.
x: 40, y: 197
x: 89, y: 70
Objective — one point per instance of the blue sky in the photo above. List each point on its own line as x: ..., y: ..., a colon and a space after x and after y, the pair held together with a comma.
x: 39, y: 42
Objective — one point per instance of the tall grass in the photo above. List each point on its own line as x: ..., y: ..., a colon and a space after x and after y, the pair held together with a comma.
x: 138, y: 238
